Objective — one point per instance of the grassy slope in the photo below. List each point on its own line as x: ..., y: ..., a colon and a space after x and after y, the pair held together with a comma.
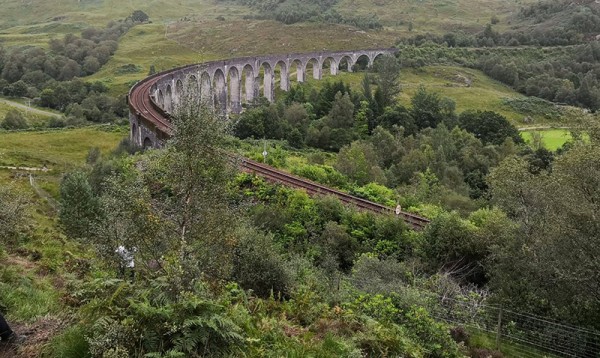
x: 483, y: 93
x: 434, y: 15
x: 270, y: 37
x: 32, y: 277
x: 552, y: 139
x: 57, y: 149
x: 34, y: 118
x: 99, y: 12
x: 144, y: 45
x: 561, y: 18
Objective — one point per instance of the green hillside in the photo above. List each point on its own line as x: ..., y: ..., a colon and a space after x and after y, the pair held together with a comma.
x: 119, y: 251
x: 434, y: 15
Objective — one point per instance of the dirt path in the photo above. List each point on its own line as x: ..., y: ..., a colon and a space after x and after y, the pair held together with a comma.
x: 36, y: 335
x: 540, y: 128
x: 40, y: 112
x: 30, y: 169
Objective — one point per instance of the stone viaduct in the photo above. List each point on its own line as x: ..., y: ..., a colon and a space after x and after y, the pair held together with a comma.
x: 227, y: 84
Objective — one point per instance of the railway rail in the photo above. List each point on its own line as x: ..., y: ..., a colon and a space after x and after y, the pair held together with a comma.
x: 142, y: 104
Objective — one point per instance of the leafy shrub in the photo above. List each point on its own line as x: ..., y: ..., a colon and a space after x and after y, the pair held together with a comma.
x: 258, y: 265
x: 435, y: 337
x: 378, y: 340
x: 14, y: 120
x: 13, y: 214
x: 375, y: 306
x: 128, y: 68
x: 55, y: 122
x: 139, y: 16
x: 79, y: 206
x: 323, y: 174
x: 377, y: 193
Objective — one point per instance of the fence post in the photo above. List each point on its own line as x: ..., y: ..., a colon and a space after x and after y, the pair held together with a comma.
x: 499, y: 329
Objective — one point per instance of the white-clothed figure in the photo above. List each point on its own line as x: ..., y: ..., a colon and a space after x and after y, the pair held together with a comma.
x: 127, y: 264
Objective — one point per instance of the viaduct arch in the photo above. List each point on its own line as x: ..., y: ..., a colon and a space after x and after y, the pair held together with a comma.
x: 226, y: 85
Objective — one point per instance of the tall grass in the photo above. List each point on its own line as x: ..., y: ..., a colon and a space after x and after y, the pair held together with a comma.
x: 26, y: 297
x: 69, y: 344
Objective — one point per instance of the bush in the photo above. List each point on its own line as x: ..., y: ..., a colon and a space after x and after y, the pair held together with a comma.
x: 79, y: 207
x: 434, y: 336
x: 490, y: 127
x: 460, y: 334
x: 377, y: 340
x: 55, y: 122
x: 13, y: 214
x: 377, y: 193
x: 258, y: 265
x: 139, y: 16
x: 323, y: 174
x: 14, y: 120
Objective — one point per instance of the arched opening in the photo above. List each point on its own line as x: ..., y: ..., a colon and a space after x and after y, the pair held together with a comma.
x: 313, y: 67
x: 191, y: 91
x: 147, y: 143
x: 160, y: 99
x: 345, y: 64
x: 134, y: 133
x: 206, y: 89
x: 378, y: 57
x: 179, y: 93
x: 362, y: 63
x: 284, y: 78
x: 249, y: 83
x: 296, y: 72
x: 268, y: 83
x: 220, y: 91
x: 235, y: 90
x: 168, y: 100
x: 330, y: 66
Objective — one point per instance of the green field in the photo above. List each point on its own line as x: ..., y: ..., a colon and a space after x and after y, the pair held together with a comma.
x: 35, y: 116
x: 551, y: 139
x: 58, y: 149
x: 99, y: 12
x: 436, y: 16
x: 426, y: 15
x: 470, y: 89
x: 143, y: 46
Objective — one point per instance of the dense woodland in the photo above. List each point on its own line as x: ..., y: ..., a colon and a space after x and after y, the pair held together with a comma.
x: 567, y: 75
x: 229, y: 265
x: 51, y: 77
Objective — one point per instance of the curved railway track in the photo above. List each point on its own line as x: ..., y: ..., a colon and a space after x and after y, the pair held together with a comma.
x: 141, y: 103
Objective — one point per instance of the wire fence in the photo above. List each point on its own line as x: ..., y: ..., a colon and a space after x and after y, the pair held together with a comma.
x: 525, y: 331
x: 523, y: 334
x: 42, y: 193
